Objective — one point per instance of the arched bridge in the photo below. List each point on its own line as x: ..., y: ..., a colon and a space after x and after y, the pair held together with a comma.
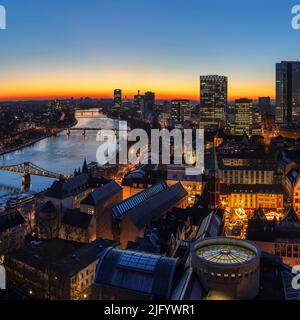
x: 28, y: 169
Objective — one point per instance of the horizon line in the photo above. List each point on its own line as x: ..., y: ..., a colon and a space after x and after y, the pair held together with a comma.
x: 159, y: 97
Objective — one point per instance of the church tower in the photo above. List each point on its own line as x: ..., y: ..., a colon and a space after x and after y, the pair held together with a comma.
x: 85, y: 168
x: 213, y: 181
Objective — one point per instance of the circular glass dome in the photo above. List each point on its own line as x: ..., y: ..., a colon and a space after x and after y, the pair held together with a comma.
x: 225, y: 254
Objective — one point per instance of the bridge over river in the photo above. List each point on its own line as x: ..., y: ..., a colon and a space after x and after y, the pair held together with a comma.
x: 28, y: 169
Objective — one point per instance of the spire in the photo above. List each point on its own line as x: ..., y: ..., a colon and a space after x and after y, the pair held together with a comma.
x: 85, y: 168
x: 291, y: 216
x: 213, y: 164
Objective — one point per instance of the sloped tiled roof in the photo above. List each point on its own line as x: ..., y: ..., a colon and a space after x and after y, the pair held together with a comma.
x: 63, y: 189
x: 82, y: 257
x: 102, y: 194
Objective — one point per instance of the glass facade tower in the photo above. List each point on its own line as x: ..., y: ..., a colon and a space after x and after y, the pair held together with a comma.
x: 118, y: 98
x: 243, y: 117
x: 287, y: 110
x: 213, y: 99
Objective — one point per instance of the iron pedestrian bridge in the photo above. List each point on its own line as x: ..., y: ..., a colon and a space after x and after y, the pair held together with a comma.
x: 28, y: 169
x: 84, y: 130
x: 92, y: 113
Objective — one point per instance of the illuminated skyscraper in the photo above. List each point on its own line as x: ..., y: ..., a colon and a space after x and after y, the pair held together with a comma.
x: 243, y: 117
x: 287, y: 92
x: 138, y: 101
x: 181, y: 111
x: 213, y: 99
x: 118, y: 98
x: 256, y: 122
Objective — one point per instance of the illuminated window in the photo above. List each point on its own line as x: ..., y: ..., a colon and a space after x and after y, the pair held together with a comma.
x: 91, y: 211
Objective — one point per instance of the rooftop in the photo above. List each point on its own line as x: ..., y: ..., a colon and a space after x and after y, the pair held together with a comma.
x: 75, y: 218
x: 81, y: 258
x: 11, y: 220
x: 64, y: 257
x: 102, y: 193
x: 150, y: 204
x: 151, y: 275
x: 41, y: 254
x: 271, y: 231
x: 63, y: 189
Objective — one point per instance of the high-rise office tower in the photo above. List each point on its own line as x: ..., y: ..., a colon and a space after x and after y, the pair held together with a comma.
x: 287, y: 93
x: 139, y: 101
x: 149, y: 102
x: 181, y: 111
x: 213, y: 99
x: 243, y: 117
x: 256, y: 121
x: 264, y: 105
x: 118, y: 98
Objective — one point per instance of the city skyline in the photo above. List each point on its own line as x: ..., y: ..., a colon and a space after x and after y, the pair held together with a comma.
x: 75, y: 51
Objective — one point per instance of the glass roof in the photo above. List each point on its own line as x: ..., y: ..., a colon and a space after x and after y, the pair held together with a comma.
x: 139, y: 261
x: 226, y: 254
x: 128, y: 204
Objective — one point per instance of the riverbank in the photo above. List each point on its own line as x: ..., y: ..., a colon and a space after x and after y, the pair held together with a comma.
x: 34, y: 141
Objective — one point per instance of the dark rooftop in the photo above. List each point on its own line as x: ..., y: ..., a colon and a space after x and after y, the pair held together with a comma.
x: 155, y: 275
x: 48, y: 207
x: 82, y: 257
x: 41, y: 254
x: 102, y: 193
x: 63, y: 189
x: 269, y: 231
x: 64, y: 257
x: 75, y: 218
x: 11, y: 220
x: 150, y: 204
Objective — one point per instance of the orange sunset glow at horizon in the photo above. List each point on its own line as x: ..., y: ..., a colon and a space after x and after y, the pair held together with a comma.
x: 37, y: 92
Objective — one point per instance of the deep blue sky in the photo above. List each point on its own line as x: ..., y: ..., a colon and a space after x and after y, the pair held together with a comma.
x: 77, y: 46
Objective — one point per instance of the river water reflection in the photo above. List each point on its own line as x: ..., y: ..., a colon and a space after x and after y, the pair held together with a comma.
x: 61, y: 154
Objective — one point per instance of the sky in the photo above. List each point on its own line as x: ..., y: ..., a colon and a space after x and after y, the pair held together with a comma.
x: 64, y: 48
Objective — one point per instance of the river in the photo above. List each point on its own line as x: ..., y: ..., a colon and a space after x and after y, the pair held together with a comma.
x: 60, y: 154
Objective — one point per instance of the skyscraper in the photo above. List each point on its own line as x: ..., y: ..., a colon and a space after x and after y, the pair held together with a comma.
x: 287, y: 93
x: 181, y: 111
x: 138, y: 101
x: 264, y: 105
x: 213, y: 99
x: 256, y: 121
x: 149, y: 102
x: 118, y: 98
x: 243, y: 117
